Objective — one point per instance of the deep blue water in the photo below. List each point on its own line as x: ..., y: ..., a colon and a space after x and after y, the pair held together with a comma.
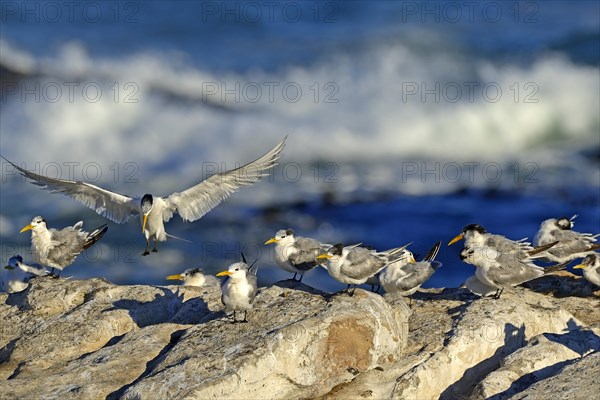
x: 386, y: 106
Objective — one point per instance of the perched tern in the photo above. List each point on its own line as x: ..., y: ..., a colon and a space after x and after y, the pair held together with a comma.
x: 59, y: 248
x: 296, y: 254
x: 16, y: 275
x: 239, y: 290
x: 475, y: 236
x: 571, y: 244
x: 194, y: 277
x: 405, y: 276
x: 498, y: 270
x: 591, y: 268
x: 191, y: 204
x: 354, y: 265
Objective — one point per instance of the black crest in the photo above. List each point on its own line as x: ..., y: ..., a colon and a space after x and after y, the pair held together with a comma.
x: 474, y: 227
x: 289, y: 232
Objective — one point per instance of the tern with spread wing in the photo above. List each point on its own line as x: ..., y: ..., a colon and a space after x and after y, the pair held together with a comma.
x: 59, y: 248
x: 191, y: 204
x: 571, y: 244
x: 15, y: 276
x: 297, y: 254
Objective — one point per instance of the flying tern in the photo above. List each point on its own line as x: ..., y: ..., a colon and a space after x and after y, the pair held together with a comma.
x: 191, y: 204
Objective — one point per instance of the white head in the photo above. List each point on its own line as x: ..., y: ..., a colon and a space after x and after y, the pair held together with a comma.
x: 283, y: 237
x: 471, y: 233
x: 37, y: 223
x: 591, y: 261
x: 236, y: 271
x: 190, y: 277
x: 146, y: 205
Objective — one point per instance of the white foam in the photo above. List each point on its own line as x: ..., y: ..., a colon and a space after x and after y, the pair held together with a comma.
x: 373, y: 120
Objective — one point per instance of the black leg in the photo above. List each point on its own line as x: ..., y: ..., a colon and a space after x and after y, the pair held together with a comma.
x: 498, y: 293
x: 301, y: 276
x: 155, y: 250
x: 245, y: 313
x: 146, y: 252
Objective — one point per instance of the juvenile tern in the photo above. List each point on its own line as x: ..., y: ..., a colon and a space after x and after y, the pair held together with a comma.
x: 191, y: 204
x: 354, y: 265
x: 591, y: 268
x: 239, y: 290
x: 16, y: 275
x: 296, y: 254
x: 59, y: 248
x: 498, y: 270
x: 194, y: 277
x: 571, y: 244
x: 405, y: 276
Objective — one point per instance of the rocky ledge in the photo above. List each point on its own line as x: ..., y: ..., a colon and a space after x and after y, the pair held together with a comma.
x: 91, y: 339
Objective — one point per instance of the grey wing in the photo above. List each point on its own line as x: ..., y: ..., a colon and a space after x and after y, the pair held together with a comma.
x: 67, y: 244
x: 362, y: 263
x: 253, y: 281
x: 571, y: 242
x: 308, y: 250
x: 116, y: 207
x: 417, y: 274
x: 195, y: 202
x: 505, y: 245
x: 511, y: 271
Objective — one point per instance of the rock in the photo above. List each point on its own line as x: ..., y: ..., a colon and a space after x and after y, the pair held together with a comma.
x: 91, y: 339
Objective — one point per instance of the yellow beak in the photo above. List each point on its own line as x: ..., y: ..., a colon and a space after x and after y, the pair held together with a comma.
x: 580, y: 266
x: 224, y: 273
x: 174, y: 278
x: 144, y: 223
x: 26, y: 228
x: 324, y: 256
x: 272, y: 240
x: 412, y: 259
x: 456, y: 239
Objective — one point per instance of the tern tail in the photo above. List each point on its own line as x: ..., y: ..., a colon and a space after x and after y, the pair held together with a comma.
x: 95, y: 235
x: 178, y: 238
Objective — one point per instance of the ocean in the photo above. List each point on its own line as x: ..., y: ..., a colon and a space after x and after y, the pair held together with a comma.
x: 406, y: 121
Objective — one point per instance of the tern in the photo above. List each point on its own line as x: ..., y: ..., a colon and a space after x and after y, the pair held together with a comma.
x: 296, y: 254
x: 16, y: 275
x: 194, y: 277
x: 571, y: 244
x: 498, y: 270
x: 191, y: 204
x: 239, y: 290
x: 354, y: 265
x: 405, y: 276
x: 476, y: 235
x: 59, y: 248
x: 591, y: 268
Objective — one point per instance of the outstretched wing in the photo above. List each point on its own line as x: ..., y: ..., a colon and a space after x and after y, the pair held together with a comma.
x: 195, y: 202
x: 116, y: 207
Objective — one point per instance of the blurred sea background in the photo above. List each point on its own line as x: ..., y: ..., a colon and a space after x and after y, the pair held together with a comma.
x: 405, y: 121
